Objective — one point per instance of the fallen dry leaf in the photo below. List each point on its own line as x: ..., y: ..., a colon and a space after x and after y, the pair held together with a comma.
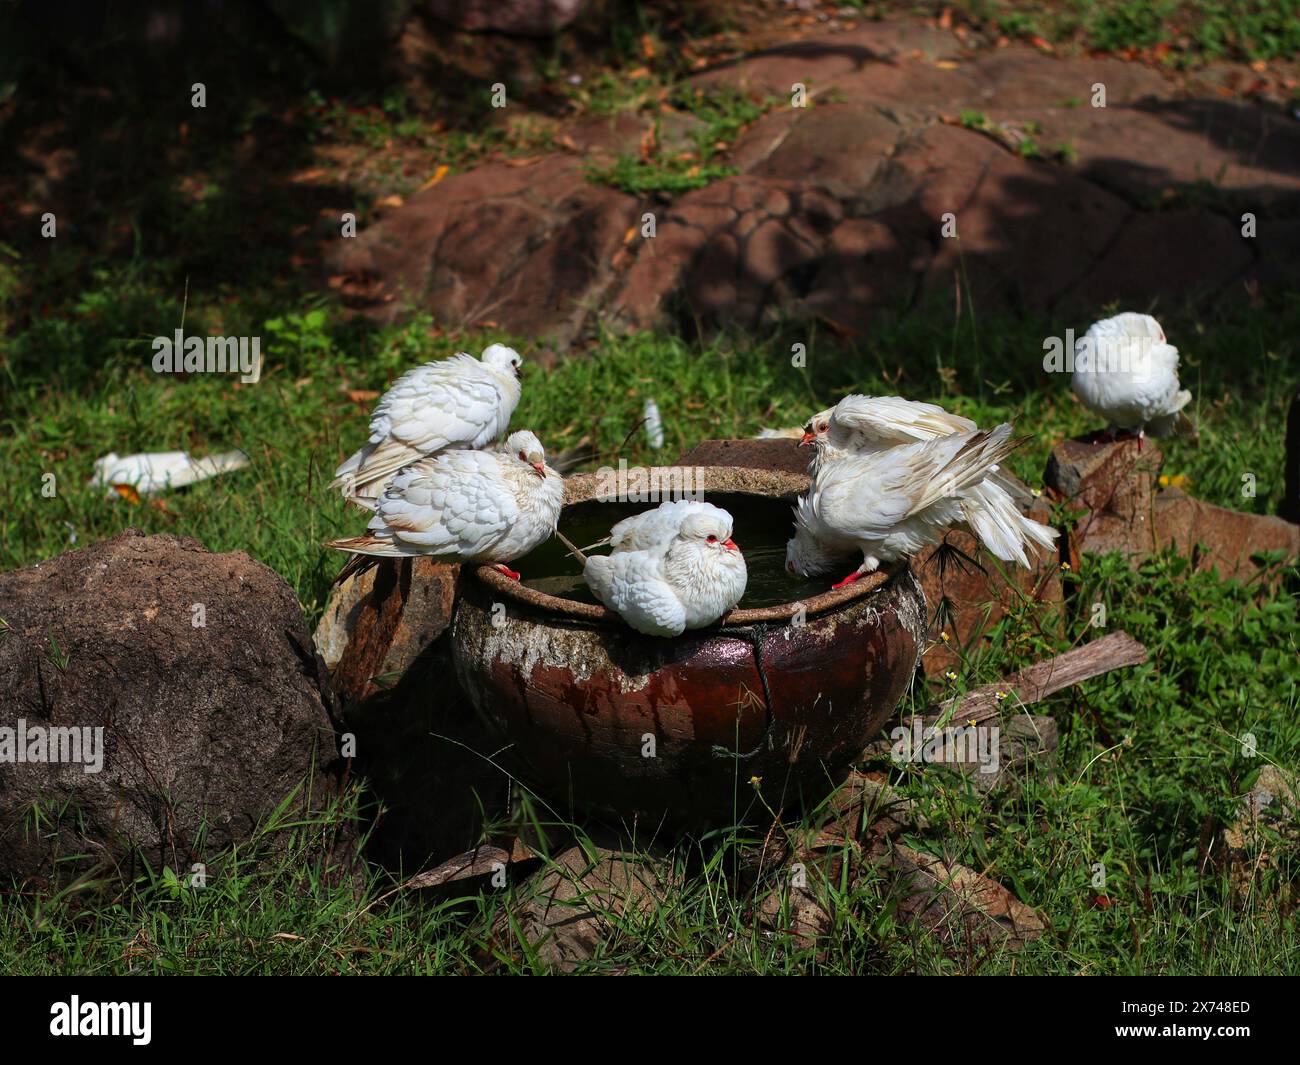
x: 438, y: 175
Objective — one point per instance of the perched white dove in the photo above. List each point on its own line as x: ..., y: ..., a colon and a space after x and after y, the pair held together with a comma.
x: 893, y: 503
x: 672, y: 568
x: 461, y: 402
x: 1126, y: 372
x: 860, y: 425
x: 156, y: 471
x: 466, y: 506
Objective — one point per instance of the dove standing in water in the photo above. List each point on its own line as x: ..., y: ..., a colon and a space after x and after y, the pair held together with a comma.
x: 465, y: 506
x: 862, y: 425
x: 461, y: 403
x: 1126, y: 372
x: 672, y: 568
x: 893, y: 503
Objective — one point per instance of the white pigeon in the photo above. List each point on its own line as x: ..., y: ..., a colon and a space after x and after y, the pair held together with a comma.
x: 461, y: 402
x: 860, y: 425
x: 1127, y: 372
x: 893, y: 503
x: 871, y: 423
x: 467, y: 506
x: 672, y: 568
x: 156, y: 471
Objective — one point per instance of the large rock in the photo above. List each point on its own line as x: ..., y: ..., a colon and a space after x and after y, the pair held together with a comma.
x: 527, y: 248
x: 836, y: 210
x: 1116, y: 486
x: 527, y: 18
x: 200, y: 673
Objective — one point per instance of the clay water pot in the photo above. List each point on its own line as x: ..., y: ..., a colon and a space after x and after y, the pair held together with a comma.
x: 687, y: 730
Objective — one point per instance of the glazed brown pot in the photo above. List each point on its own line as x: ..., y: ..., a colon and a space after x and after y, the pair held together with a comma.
x: 598, y: 716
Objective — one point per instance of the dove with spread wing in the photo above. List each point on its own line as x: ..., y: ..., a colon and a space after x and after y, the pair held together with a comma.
x: 671, y: 569
x: 456, y: 403
x: 893, y: 503
x: 465, y: 506
x: 860, y: 425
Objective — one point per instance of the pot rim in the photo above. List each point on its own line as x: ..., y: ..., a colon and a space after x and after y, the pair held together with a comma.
x: 761, y: 484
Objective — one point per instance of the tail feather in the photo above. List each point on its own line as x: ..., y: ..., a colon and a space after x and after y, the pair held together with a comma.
x: 998, y: 523
x: 363, y: 475
x: 367, y: 552
x: 1177, y: 422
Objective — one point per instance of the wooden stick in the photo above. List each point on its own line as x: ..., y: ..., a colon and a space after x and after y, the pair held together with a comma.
x: 573, y: 550
x: 1042, y: 679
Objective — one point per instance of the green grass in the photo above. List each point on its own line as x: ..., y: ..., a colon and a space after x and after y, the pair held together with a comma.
x: 1151, y: 761
x: 58, y: 414
x: 721, y: 114
x: 1193, y: 31
x: 1150, y: 757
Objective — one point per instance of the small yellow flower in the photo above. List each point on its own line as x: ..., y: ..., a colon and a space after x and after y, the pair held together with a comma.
x: 943, y: 636
x: 999, y: 695
x: 951, y: 674
x: 755, y: 781
x: 971, y: 722
x: 1065, y: 567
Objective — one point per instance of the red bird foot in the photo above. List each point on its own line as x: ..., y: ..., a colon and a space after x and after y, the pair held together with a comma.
x: 856, y: 575
x: 503, y: 568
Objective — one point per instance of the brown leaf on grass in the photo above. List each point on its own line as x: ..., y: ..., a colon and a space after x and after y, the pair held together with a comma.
x: 843, y: 331
x: 438, y: 175
x: 528, y: 161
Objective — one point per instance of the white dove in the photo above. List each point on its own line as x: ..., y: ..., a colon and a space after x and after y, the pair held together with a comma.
x: 469, y: 506
x: 893, y: 503
x: 1126, y: 372
x: 871, y: 423
x: 155, y: 471
x: 860, y: 425
x: 461, y: 402
x: 672, y: 568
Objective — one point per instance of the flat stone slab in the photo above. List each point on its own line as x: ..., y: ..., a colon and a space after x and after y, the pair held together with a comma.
x: 835, y: 209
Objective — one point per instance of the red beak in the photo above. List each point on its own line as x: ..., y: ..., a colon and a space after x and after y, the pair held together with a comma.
x: 807, y: 439
x: 540, y: 468
x: 730, y: 545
